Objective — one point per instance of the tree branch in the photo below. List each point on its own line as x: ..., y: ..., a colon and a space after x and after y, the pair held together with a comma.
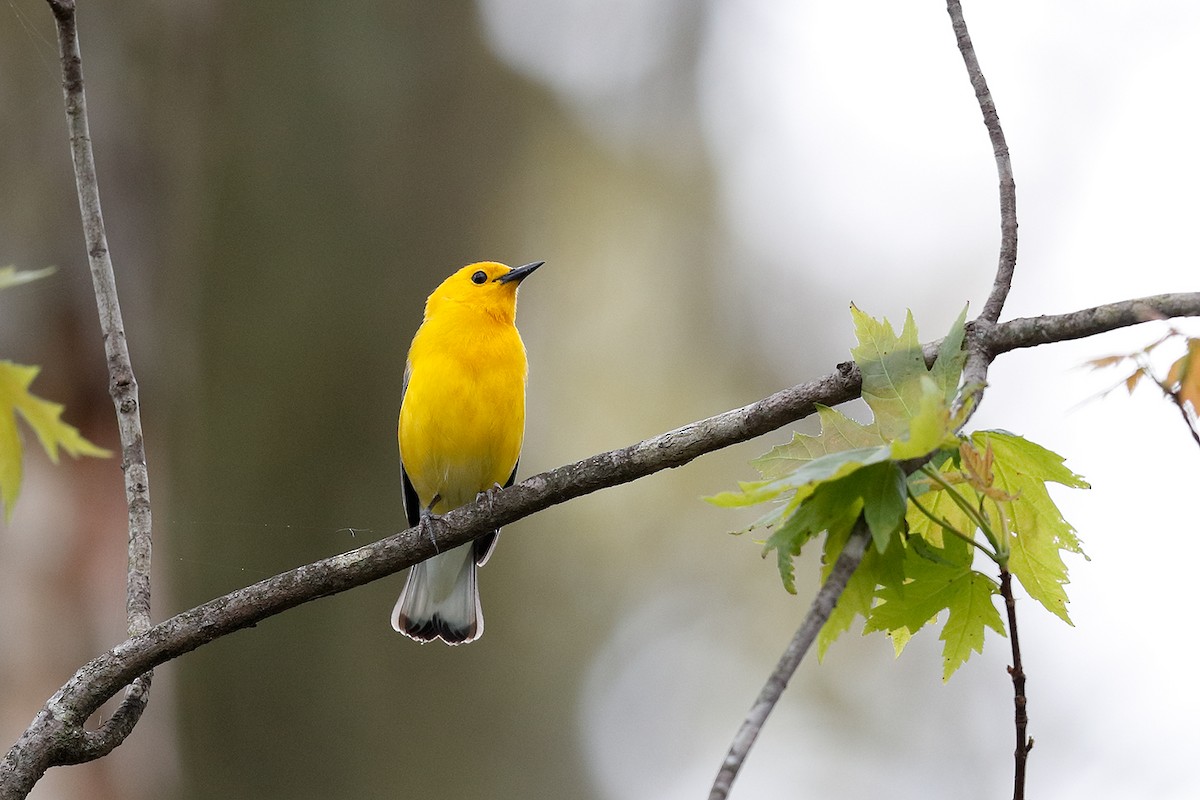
x: 1020, y: 717
x: 122, y: 385
x: 1008, y: 188
x: 105, y: 675
x: 72, y: 744
x: 818, y: 613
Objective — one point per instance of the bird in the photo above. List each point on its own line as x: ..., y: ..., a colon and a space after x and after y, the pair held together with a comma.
x: 461, y: 426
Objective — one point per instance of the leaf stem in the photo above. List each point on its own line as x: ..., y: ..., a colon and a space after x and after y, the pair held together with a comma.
x: 946, y: 526
x: 979, y: 518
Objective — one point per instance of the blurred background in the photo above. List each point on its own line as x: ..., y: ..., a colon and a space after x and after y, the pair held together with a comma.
x: 711, y: 184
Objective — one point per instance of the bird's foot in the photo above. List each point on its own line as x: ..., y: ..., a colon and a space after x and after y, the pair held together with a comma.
x: 425, y: 525
x: 489, y: 495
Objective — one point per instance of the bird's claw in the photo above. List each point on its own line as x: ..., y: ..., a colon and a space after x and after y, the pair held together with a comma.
x: 489, y: 495
x: 425, y: 524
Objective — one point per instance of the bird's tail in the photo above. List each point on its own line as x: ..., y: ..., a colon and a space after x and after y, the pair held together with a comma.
x: 441, y: 599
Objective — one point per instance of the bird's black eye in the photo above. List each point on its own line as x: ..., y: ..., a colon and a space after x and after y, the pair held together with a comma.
x: 479, y: 278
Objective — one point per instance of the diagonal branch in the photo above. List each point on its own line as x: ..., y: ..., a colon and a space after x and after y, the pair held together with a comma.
x: 1008, y: 188
x: 105, y: 675
x: 818, y: 613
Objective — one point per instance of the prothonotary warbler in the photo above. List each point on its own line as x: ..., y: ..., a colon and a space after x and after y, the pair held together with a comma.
x: 462, y: 420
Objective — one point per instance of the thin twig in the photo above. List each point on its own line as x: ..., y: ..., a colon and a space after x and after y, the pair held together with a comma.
x: 1008, y: 188
x: 1187, y: 420
x: 818, y: 613
x: 1174, y: 398
x: 122, y: 386
x: 1020, y: 717
x: 107, y: 673
x: 948, y: 528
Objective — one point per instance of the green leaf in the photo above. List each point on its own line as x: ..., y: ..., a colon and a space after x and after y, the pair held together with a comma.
x: 801, y: 481
x: 931, y: 428
x: 885, y: 501
x: 786, y: 541
x: 831, y: 506
x: 971, y: 611
x: 940, y: 505
x: 875, y: 490
x: 875, y: 570
x: 838, y: 432
x: 1038, y: 531
x: 837, y: 465
x: 945, y: 583
x: 43, y: 417
x: 891, y: 367
x: 855, y: 600
x: 750, y: 493
x: 947, y: 370
x: 11, y: 276
x: 1029, y: 458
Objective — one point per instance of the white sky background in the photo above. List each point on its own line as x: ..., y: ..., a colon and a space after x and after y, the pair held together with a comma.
x: 852, y: 164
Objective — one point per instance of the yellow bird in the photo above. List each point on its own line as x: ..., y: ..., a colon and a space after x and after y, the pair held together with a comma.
x: 462, y: 420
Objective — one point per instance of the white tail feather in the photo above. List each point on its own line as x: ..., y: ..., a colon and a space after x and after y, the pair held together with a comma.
x: 441, y: 599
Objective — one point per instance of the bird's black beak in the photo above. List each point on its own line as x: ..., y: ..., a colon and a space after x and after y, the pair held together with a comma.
x: 520, y: 273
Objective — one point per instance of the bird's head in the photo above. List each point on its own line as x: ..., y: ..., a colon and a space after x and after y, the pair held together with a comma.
x: 487, y: 286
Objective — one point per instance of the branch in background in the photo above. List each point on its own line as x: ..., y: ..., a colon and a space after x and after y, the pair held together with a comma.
x: 822, y: 606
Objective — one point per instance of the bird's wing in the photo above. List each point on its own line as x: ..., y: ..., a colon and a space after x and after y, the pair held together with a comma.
x: 412, y: 505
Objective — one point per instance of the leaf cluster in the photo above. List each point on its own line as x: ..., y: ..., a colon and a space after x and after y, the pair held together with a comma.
x: 935, y: 500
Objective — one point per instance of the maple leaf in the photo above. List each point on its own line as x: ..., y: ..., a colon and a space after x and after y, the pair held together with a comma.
x: 838, y: 433
x: 891, y: 367
x: 821, y: 483
x: 858, y: 596
x: 894, y: 374
x: 43, y: 417
x: 1039, y: 534
x: 939, y: 580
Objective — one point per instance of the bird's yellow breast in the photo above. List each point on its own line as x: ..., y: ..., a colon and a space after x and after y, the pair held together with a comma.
x: 463, y: 414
